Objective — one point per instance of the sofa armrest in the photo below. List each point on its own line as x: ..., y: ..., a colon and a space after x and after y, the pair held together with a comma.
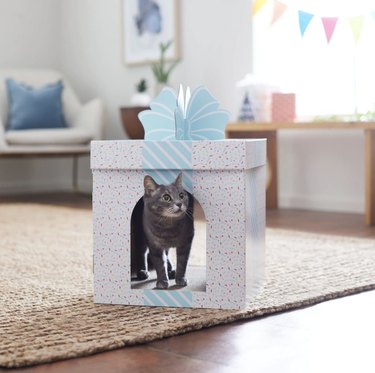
x: 3, y: 143
x: 91, y: 118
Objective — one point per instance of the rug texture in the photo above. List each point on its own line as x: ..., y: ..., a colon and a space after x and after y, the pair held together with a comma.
x: 46, y: 308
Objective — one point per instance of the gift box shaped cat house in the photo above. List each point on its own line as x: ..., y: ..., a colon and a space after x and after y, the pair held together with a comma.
x: 143, y: 197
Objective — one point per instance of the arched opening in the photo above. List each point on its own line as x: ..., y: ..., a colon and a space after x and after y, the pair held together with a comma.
x: 142, y: 265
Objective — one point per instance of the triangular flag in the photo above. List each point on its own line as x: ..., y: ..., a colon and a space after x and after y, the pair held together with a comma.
x: 329, y: 24
x: 304, y: 20
x: 356, y: 24
x: 257, y: 5
x: 278, y: 10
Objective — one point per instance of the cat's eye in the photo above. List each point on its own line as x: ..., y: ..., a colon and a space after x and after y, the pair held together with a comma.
x: 166, y: 197
x: 181, y: 195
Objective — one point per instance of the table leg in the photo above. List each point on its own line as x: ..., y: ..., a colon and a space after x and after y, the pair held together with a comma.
x: 272, y: 194
x: 271, y: 136
x: 75, y: 174
x: 370, y: 177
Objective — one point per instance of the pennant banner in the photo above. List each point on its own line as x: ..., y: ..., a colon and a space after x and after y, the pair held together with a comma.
x: 278, y: 10
x: 304, y: 18
x: 356, y: 24
x: 329, y: 24
x: 257, y: 5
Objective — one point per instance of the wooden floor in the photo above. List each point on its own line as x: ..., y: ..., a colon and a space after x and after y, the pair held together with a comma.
x: 334, y: 336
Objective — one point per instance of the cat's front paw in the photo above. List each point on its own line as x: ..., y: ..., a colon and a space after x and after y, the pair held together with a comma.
x: 181, y: 281
x: 162, y: 284
x: 143, y: 275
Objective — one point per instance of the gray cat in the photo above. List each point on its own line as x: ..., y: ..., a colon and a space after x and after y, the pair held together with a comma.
x: 162, y: 219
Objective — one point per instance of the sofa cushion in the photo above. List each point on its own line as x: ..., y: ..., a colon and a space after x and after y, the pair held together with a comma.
x: 31, y: 108
x: 53, y: 136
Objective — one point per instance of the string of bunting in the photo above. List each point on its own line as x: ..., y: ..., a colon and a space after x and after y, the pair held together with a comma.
x: 329, y: 23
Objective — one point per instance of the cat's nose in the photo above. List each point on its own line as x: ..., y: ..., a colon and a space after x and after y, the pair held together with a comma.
x: 179, y: 204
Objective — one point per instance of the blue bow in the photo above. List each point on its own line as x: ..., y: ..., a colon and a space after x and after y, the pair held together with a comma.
x: 193, y: 117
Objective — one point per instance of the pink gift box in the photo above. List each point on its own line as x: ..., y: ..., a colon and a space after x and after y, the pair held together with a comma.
x: 283, y: 107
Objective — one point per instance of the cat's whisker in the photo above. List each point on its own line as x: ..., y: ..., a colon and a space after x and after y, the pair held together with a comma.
x: 189, y: 216
x: 162, y: 219
x: 189, y: 212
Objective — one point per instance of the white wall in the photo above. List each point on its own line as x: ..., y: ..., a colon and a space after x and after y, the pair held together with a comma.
x: 29, y: 38
x: 28, y: 35
x: 216, y: 51
x: 321, y: 170
x: 91, y: 56
x: 318, y: 169
x: 216, y: 48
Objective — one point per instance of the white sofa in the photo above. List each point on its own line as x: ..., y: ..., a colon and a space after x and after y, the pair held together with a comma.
x: 85, y: 122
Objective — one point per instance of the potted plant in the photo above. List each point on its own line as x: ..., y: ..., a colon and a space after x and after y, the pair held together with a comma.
x: 161, y: 69
x: 141, y: 98
x: 129, y: 114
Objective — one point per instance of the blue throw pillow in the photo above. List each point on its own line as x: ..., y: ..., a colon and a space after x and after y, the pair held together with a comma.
x: 31, y: 108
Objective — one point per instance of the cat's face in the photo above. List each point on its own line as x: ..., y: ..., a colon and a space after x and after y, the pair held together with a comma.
x: 168, y: 201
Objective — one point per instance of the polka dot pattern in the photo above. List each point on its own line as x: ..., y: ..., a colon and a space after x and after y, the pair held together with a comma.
x: 231, y: 194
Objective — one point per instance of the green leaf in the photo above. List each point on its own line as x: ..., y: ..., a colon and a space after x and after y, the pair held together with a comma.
x: 160, y: 70
x: 173, y: 65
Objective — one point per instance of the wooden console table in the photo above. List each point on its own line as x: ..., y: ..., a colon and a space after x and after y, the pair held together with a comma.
x: 269, y: 131
x: 130, y: 122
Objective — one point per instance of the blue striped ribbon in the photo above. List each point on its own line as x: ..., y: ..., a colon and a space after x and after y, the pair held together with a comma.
x: 168, y: 298
x: 164, y: 160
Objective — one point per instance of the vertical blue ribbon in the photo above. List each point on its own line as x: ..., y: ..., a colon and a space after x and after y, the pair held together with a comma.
x: 164, y: 160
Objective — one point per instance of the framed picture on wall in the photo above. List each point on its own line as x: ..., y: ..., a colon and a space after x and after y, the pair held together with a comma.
x: 146, y: 24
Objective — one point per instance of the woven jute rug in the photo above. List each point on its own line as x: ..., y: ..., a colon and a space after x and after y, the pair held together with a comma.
x: 46, y: 308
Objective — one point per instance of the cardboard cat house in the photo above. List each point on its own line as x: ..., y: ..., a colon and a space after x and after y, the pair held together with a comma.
x: 227, y: 177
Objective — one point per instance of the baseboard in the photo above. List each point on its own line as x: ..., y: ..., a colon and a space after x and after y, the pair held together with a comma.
x: 322, y: 203
x: 45, y: 186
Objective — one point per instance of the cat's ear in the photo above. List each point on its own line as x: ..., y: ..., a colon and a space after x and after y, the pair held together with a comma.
x: 178, y: 181
x: 150, y: 185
